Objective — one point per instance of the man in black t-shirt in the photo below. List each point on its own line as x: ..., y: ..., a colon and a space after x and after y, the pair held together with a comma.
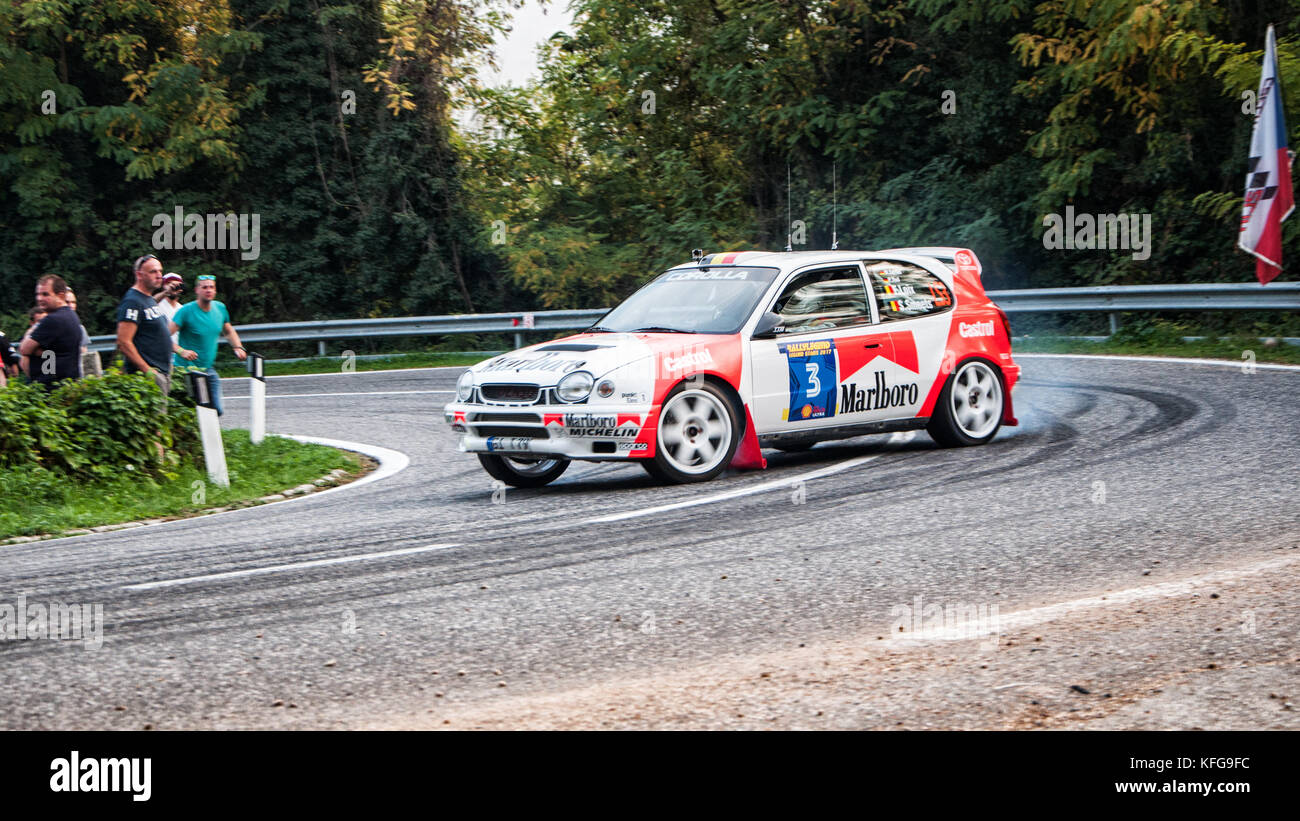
x: 53, y: 347
x: 142, y: 333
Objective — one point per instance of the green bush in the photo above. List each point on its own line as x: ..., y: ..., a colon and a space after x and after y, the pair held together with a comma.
x: 98, y: 426
x: 115, y: 420
x: 34, y: 430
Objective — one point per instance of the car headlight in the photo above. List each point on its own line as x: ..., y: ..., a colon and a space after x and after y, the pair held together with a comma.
x: 575, y: 387
x: 465, y: 386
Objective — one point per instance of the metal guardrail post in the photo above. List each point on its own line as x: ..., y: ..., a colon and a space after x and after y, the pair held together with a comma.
x: 1114, y: 322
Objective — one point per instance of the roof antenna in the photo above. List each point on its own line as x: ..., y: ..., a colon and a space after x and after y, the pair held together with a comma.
x: 835, y: 241
x: 789, y: 237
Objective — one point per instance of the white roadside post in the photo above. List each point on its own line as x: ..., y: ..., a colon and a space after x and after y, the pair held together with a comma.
x: 257, y: 397
x: 214, y: 452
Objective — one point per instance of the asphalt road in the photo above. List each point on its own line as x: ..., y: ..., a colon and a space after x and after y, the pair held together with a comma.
x: 1117, y: 467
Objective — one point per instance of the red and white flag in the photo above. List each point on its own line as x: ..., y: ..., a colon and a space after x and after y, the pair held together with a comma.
x: 1268, y: 180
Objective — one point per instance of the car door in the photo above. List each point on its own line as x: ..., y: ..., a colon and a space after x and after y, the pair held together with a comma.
x: 797, y: 375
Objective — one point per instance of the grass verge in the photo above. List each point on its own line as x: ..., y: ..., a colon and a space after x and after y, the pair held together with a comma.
x: 335, y: 364
x: 36, y: 501
x: 1230, y: 348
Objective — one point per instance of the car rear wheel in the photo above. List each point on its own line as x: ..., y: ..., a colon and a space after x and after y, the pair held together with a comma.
x: 697, y: 435
x: 523, y: 472
x: 971, y: 406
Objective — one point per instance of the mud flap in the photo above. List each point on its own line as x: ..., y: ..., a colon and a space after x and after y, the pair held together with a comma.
x: 749, y: 456
x: 1009, y: 413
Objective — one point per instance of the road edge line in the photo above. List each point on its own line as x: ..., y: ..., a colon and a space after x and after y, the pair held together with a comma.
x: 1176, y: 360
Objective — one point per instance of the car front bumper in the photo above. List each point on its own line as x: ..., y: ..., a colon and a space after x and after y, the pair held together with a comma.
x: 586, y: 432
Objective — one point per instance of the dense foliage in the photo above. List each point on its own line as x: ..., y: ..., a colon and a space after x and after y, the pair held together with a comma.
x: 656, y: 127
x: 112, y: 114
x: 663, y: 126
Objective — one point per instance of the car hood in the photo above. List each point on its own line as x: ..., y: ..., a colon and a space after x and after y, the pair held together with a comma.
x: 598, y: 354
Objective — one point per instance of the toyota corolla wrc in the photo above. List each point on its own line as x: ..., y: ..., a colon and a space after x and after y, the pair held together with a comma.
x: 718, y: 358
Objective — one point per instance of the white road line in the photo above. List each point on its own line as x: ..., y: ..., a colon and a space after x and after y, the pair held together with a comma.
x: 985, y: 628
x: 1177, y: 360
x: 357, y: 393
x: 775, y: 484
x: 391, y: 462
x: 280, y: 568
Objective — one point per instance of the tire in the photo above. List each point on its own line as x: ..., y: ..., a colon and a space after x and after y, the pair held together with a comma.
x: 970, y: 407
x: 697, y: 435
x: 523, y: 472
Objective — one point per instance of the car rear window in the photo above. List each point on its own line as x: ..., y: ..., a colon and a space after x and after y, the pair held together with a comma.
x: 905, y: 291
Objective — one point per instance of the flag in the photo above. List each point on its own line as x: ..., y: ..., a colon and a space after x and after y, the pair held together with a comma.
x: 1268, y: 179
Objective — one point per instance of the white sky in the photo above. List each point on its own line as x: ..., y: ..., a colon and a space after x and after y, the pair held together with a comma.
x: 517, y: 53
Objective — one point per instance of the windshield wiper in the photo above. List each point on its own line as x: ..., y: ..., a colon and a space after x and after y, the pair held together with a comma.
x: 660, y: 329
x: 599, y: 329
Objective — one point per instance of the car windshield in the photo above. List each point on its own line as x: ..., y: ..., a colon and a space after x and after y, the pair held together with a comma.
x: 714, y: 300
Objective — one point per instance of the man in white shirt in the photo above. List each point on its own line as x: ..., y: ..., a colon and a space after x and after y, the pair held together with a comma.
x: 169, y: 298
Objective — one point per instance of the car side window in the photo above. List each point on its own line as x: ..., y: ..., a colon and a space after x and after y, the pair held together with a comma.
x: 823, y: 300
x: 905, y: 291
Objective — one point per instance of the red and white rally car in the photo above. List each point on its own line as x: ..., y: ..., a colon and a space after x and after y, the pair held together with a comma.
x: 716, y: 359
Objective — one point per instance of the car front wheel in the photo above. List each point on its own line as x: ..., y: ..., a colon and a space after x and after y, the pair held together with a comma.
x: 971, y: 406
x: 697, y: 436
x: 523, y: 472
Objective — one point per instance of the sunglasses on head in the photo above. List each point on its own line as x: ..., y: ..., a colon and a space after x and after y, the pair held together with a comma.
x: 203, y: 277
x: 141, y: 261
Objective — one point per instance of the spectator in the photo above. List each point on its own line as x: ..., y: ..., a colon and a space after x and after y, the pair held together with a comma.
x: 36, y: 313
x: 9, y: 360
x: 142, y: 334
x: 90, y: 365
x: 53, y: 348
x: 169, y: 298
x: 199, y: 324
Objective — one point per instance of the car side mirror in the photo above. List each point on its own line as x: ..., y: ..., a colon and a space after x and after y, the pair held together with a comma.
x: 769, y: 326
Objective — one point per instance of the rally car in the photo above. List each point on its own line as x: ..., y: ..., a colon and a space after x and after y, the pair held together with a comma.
x: 718, y: 358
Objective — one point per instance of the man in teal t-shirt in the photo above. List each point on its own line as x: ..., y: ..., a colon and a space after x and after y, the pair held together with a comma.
x: 198, y: 326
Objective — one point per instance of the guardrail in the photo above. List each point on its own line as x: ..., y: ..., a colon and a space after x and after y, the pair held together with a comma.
x: 1276, y: 296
